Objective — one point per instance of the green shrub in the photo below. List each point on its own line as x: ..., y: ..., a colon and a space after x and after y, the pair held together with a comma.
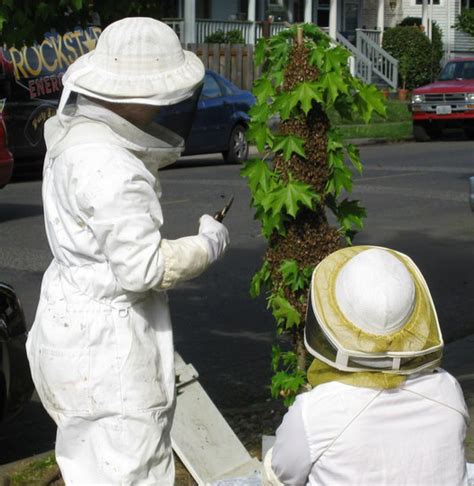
x: 410, y: 22
x: 421, y: 56
x: 437, y: 50
x: 465, y: 21
x: 220, y: 37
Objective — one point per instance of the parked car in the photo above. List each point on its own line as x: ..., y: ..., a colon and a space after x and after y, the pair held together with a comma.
x: 16, y: 386
x: 6, y: 157
x: 446, y: 103
x: 220, y: 120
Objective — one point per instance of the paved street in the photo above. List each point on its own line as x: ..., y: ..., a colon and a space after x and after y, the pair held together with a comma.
x: 416, y: 196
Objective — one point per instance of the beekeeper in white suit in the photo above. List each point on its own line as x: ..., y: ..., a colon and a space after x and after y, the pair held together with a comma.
x: 101, y: 347
x: 380, y: 412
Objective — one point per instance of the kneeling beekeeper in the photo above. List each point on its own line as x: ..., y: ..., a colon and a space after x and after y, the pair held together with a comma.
x: 101, y: 348
x: 380, y: 412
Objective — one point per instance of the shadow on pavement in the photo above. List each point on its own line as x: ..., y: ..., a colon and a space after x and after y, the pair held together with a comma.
x: 197, y: 161
x: 30, y: 432
x: 10, y: 211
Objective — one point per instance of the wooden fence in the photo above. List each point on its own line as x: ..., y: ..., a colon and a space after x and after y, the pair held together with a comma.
x: 234, y: 62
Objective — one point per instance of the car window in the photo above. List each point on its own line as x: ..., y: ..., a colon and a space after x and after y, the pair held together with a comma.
x: 458, y: 70
x: 211, y: 88
x: 227, y: 88
x: 448, y: 71
x: 468, y: 71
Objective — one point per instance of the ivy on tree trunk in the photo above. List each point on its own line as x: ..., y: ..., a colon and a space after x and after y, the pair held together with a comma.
x: 304, y: 75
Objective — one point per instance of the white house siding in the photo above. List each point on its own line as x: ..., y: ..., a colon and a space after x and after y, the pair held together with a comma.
x: 444, y: 15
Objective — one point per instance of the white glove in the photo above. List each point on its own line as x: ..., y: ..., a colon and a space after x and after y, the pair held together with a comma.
x: 215, y: 235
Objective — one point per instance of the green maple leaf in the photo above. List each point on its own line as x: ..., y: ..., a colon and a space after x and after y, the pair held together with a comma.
x: 289, y: 197
x: 306, y: 93
x: 284, y: 313
x: 271, y: 223
x: 284, y: 104
x: 335, y: 142
x: 317, y: 56
x: 350, y: 213
x: 333, y: 84
x: 341, y: 178
x: 368, y: 100
x: 290, y: 272
x: 354, y: 156
x: 259, y: 56
x: 289, y: 145
x: 260, y: 134
x: 258, y: 174
x: 259, y: 279
x: 336, y: 59
x: 293, y: 277
x: 259, y: 113
x: 263, y: 89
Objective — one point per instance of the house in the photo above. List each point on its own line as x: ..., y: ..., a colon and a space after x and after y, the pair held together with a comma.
x: 357, y: 24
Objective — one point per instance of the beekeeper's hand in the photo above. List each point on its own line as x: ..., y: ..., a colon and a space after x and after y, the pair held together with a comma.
x: 215, y: 235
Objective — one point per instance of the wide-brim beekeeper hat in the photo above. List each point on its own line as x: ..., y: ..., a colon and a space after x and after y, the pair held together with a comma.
x: 136, y: 60
x: 370, y: 309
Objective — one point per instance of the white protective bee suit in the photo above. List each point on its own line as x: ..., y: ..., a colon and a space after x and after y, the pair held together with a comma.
x: 101, y: 347
x: 380, y: 413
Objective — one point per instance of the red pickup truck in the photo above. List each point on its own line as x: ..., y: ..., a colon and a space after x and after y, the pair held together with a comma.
x: 446, y: 103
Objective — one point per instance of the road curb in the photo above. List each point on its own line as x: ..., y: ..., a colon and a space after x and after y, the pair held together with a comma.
x: 360, y: 142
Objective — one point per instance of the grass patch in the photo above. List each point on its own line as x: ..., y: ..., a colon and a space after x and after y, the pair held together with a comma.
x: 396, y: 126
x: 391, y: 131
x: 396, y: 112
x: 34, y: 473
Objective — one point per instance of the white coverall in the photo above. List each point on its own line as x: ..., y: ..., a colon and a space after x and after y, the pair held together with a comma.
x: 340, y: 435
x: 101, y: 348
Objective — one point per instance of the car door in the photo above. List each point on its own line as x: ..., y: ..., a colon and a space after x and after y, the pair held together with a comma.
x: 212, y: 117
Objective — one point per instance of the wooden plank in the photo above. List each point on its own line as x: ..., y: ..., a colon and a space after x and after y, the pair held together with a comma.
x: 215, y: 57
x: 238, y: 77
x: 205, y: 55
x: 226, y: 72
x: 233, y: 65
x: 249, y: 67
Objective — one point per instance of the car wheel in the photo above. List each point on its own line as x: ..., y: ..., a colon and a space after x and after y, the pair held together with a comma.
x: 420, y: 132
x: 238, y: 146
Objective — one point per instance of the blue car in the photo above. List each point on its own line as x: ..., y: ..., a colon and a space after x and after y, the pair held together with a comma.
x: 219, y: 122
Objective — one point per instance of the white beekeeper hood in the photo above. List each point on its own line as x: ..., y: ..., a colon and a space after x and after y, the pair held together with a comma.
x: 371, y: 309
x: 136, y: 60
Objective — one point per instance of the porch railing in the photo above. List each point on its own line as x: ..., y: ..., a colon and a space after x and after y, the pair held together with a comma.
x: 384, y: 65
x: 362, y: 64
x: 251, y: 31
x: 373, y: 34
x: 204, y: 28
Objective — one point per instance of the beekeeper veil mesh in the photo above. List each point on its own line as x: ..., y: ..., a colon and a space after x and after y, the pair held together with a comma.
x: 139, y: 61
x: 370, y: 309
